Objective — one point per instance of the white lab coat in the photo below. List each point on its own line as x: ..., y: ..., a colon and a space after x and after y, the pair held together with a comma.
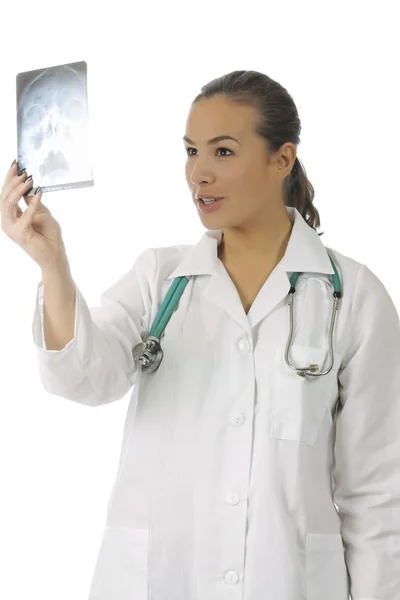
x: 231, y: 464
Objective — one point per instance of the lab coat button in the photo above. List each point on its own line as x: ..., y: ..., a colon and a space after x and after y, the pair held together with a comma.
x: 244, y: 344
x: 237, y: 420
x: 231, y: 577
x: 232, y: 498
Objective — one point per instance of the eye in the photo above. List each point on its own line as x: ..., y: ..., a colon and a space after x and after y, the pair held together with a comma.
x: 188, y: 149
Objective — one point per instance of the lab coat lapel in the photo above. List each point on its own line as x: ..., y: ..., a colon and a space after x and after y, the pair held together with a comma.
x: 222, y: 291
x: 305, y: 252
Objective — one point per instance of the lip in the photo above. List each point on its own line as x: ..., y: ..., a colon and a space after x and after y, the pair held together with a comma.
x: 209, y: 208
x: 198, y: 196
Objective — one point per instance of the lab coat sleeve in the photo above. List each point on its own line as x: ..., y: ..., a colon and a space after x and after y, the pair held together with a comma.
x: 97, y: 367
x: 366, y: 474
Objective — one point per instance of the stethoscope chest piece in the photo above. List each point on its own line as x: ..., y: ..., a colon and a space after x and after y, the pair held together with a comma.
x: 149, y: 354
x: 138, y: 351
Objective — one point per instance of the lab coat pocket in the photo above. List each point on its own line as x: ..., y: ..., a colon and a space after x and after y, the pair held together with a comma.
x: 299, y: 403
x: 121, y: 568
x: 326, y: 572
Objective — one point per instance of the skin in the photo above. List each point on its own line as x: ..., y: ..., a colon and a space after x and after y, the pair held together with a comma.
x: 252, y: 216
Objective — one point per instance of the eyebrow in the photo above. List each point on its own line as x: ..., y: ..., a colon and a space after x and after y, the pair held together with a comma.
x: 214, y: 140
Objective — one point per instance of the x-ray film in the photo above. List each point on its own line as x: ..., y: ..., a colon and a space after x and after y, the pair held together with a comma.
x: 53, y: 127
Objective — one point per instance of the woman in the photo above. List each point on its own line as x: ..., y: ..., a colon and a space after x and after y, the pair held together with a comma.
x: 238, y: 478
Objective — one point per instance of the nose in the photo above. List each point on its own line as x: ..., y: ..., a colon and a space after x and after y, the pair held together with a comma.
x: 199, y: 178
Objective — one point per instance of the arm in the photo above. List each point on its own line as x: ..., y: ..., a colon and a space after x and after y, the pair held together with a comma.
x: 96, y: 366
x: 366, y: 474
x: 58, y: 306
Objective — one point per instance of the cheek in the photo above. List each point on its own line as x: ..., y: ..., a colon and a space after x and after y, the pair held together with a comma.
x: 231, y: 175
x: 258, y: 177
x: 241, y: 176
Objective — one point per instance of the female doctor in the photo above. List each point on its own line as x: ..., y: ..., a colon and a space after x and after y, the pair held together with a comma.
x: 261, y: 450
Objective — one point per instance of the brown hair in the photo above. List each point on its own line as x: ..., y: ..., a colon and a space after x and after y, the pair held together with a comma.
x: 280, y: 123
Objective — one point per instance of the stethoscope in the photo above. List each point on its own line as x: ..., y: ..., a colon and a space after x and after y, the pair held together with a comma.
x: 150, y: 354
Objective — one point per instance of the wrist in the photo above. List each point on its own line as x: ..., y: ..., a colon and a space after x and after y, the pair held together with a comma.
x: 59, y: 267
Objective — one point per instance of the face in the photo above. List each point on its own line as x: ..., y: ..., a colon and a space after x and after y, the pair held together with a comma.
x: 242, y: 171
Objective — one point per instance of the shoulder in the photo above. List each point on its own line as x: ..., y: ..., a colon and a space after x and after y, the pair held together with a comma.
x: 357, y: 278
x: 348, y: 268
x: 159, y: 262
x: 371, y: 317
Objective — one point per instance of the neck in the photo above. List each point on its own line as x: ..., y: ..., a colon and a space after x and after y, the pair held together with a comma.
x: 259, y: 246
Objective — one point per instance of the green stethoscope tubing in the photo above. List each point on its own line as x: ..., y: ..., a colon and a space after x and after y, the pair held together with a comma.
x: 150, y: 354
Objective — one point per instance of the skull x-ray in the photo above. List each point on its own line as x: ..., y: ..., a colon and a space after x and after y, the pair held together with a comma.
x: 53, y: 127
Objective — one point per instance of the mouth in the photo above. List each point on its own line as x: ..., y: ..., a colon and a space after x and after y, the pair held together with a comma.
x: 209, y: 206
x: 210, y: 200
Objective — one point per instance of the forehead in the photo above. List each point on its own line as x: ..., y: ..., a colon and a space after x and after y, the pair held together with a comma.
x: 212, y: 116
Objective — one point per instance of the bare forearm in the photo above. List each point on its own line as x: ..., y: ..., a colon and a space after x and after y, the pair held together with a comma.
x: 58, y: 306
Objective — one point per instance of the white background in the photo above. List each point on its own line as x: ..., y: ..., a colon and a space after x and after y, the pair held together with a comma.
x: 58, y: 459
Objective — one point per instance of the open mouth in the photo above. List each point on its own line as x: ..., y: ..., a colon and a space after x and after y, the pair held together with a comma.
x: 209, y: 206
x: 209, y: 202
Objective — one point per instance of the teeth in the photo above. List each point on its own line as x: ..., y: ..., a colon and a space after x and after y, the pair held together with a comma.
x: 208, y: 200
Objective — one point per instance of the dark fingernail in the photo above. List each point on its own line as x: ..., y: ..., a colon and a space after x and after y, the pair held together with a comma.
x: 13, y: 163
x: 38, y: 189
x: 21, y: 171
x: 27, y: 191
x: 28, y: 179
